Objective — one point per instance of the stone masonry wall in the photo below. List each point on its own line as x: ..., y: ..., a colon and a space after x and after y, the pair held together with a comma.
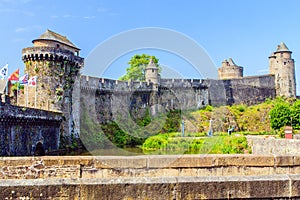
x: 23, y: 128
x: 146, y: 166
x: 151, y: 177
x: 270, y: 145
x: 247, y: 90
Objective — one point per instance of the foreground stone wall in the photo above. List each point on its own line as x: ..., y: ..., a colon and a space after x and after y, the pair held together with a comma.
x: 150, y: 177
x: 270, y: 145
x: 172, y: 188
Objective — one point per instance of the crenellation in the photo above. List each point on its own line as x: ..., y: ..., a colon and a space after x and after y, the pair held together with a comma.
x: 229, y: 70
x: 56, y: 62
x: 282, y: 66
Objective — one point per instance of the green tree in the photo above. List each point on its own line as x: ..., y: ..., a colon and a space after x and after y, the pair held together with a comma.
x: 295, y: 114
x: 280, y: 115
x: 136, y: 70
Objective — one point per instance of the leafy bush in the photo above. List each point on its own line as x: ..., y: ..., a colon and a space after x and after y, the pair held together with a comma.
x: 156, y: 142
x: 203, y: 145
x: 280, y: 115
x: 295, y: 115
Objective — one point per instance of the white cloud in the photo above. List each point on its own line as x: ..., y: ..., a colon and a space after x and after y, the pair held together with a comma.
x: 20, y: 29
x: 15, y: 1
x: 101, y: 10
x: 104, y: 10
x: 263, y: 70
x: 28, y: 28
x: 114, y: 14
x: 18, y: 40
x: 28, y: 13
x: 89, y: 17
x: 11, y: 10
x: 67, y: 16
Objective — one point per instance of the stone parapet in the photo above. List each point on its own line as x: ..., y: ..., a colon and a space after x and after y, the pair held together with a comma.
x: 175, y: 188
x: 150, y: 177
x: 146, y: 166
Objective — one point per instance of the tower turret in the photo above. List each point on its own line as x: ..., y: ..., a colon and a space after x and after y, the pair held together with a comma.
x: 230, y: 70
x: 151, y: 74
x: 55, y: 61
x: 282, y: 66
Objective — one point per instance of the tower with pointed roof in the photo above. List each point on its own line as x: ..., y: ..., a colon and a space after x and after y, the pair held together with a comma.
x: 230, y: 70
x: 55, y: 61
x: 282, y: 66
x: 152, y: 74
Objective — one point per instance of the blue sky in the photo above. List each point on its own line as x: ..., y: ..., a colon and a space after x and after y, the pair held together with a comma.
x: 248, y: 31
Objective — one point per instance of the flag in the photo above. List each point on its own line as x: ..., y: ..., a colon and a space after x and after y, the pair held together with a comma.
x: 4, y: 71
x: 24, y: 79
x: 32, y: 81
x: 14, y: 76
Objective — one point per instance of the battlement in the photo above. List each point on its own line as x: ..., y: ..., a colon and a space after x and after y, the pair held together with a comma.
x: 51, y: 54
x: 24, y: 129
x: 110, y: 85
x: 15, y: 114
x: 182, y: 83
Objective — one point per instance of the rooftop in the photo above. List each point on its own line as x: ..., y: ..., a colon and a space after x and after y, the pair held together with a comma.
x: 151, y: 64
x: 50, y: 35
x: 282, y: 47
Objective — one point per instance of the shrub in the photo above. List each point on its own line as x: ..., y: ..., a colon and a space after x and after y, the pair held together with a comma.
x: 280, y: 115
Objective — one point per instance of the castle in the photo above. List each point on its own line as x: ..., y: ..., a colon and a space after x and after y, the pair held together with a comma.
x: 57, y: 64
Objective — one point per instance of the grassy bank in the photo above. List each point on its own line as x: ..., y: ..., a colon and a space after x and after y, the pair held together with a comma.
x: 223, y: 144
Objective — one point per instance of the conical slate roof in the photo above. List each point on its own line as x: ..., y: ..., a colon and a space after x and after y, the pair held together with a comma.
x: 231, y: 62
x: 151, y: 64
x: 50, y: 35
x: 282, y: 48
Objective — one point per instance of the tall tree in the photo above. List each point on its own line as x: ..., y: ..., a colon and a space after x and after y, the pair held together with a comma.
x: 137, y: 66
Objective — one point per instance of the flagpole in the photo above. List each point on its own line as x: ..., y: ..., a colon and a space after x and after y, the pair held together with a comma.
x: 6, y: 87
x: 35, y: 95
x: 18, y: 87
x: 27, y: 95
x: 18, y: 84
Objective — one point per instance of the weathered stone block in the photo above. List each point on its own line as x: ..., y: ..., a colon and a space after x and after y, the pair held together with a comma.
x: 120, y: 162
x: 244, y: 160
x: 286, y: 160
x: 180, y: 161
x: 68, y: 160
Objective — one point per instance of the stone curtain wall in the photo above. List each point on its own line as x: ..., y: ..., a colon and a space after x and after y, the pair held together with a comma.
x: 179, y: 93
x: 151, y: 177
x: 247, y: 90
x: 105, y: 100
x: 23, y: 128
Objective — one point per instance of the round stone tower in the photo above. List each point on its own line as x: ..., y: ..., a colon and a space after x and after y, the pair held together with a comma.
x: 152, y: 74
x: 230, y: 70
x: 282, y: 66
x: 55, y: 62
